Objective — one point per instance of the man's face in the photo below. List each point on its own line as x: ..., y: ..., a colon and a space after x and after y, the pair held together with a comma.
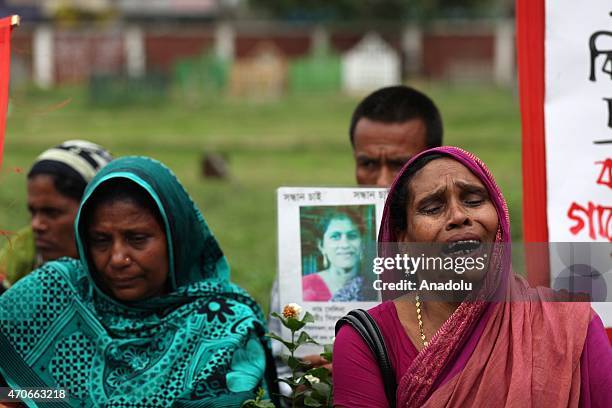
x: 53, y: 217
x: 381, y: 149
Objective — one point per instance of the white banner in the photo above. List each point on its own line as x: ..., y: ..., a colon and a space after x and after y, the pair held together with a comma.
x: 578, y: 128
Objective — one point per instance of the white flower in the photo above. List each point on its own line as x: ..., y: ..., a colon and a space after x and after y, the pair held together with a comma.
x: 292, y: 310
x: 312, y: 379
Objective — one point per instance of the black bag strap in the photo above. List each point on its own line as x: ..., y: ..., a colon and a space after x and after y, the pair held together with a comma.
x: 365, y: 325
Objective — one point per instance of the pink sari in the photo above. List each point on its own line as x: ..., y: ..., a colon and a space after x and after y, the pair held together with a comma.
x: 512, y: 353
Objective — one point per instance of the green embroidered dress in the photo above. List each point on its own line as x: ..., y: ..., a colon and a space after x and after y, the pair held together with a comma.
x: 201, y: 345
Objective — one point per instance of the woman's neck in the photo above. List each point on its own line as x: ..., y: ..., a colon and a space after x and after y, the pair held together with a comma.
x: 438, y: 312
x: 433, y: 316
x: 336, y: 278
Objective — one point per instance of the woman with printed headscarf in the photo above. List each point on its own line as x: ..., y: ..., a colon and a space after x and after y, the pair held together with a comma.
x: 147, y: 316
x: 498, y: 344
x: 56, y: 183
x: 339, y: 240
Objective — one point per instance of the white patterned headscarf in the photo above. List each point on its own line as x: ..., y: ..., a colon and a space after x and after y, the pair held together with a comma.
x: 75, y: 161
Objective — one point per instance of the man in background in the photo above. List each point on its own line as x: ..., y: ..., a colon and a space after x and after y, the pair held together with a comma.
x: 387, y: 128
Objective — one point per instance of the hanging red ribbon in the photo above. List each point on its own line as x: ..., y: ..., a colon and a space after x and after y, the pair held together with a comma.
x: 5, y: 64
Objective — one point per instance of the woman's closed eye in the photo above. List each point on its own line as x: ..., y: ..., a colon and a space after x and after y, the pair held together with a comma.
x: 431, y: 209
x: 431, y: 206
x: 137, y: 239
x: 474, y: 199
x: 99, y: 240
x: 435, y: 208
x: 474, y: 203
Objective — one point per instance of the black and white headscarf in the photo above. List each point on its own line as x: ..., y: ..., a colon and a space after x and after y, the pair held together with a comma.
x: 76, y: 159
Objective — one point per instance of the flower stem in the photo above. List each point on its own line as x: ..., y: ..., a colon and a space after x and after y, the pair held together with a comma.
x: 294, y: 388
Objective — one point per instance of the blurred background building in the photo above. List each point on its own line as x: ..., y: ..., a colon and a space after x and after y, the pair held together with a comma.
x: 200, y: 45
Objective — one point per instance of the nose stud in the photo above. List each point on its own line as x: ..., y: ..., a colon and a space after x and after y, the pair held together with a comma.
x: 128, y: 260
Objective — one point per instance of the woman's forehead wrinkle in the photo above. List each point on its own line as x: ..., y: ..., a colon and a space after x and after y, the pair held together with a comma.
x: 447, y: 177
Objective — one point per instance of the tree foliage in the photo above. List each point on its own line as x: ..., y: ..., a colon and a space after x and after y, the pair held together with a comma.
x: 375, y: 9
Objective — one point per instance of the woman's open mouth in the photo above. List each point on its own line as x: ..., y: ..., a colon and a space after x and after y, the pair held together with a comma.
x: 461, y: 247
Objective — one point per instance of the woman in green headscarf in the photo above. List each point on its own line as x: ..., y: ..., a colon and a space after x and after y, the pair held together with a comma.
x: 147, y: 317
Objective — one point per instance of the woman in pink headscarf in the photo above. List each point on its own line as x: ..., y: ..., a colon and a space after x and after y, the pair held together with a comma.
x: 500, y: 344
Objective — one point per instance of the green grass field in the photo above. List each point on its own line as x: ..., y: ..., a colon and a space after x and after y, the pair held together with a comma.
x: 297, y: 141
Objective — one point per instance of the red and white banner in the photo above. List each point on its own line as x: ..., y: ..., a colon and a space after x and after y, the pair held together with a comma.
x: 5, y: 63
x: 565, y: 78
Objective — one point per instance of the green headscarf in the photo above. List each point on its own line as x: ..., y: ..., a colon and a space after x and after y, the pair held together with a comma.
x: 200, y: 345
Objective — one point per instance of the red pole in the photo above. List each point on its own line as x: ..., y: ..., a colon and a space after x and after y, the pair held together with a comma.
x: 6, y: 25
x: 530, y: 18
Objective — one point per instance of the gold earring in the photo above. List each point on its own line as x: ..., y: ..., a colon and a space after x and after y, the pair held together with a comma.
x: 325, y: 262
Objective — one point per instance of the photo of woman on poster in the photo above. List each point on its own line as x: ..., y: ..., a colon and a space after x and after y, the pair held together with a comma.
x: 334, y: 253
